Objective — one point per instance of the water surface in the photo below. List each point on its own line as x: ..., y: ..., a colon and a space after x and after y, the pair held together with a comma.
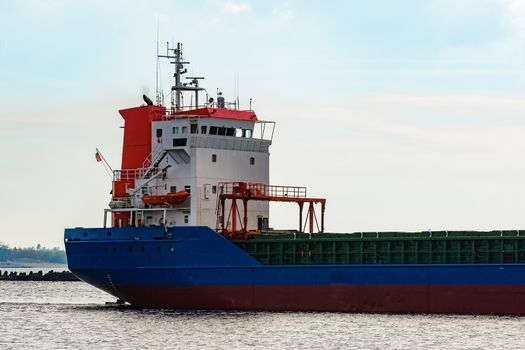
x: 73, y: 315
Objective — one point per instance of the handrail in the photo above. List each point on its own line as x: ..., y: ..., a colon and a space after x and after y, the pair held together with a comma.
x: 132, y: 174
x: 261, y: 189
x: 227, y: 105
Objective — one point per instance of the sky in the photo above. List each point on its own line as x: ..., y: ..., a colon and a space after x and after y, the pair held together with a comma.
x: 404, y: 114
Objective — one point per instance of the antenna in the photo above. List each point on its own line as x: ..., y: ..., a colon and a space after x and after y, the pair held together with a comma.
x: 157, y: 92
x: 176, y: 58
x: 237, y: 88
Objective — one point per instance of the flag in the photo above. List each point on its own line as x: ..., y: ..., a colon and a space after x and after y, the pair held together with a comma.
x: 98, y: 157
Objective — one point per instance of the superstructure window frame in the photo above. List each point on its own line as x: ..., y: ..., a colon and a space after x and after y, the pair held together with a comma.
x: 179, y: 142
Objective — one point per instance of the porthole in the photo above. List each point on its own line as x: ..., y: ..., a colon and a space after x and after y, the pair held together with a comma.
x: 85, y: 234
x: 108, y: 233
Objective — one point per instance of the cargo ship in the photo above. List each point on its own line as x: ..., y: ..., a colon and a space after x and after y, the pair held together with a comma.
x: 188, y: 228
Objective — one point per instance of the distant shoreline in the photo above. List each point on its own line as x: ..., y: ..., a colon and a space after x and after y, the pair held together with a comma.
x: 31, y: 265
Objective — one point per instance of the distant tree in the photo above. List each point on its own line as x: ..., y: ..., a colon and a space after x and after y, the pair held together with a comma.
x: 4, y: 252
x: 53, y: 255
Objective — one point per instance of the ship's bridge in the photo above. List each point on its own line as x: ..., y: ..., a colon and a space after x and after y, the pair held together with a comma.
x: 217, y: 128
x: 174, y: 158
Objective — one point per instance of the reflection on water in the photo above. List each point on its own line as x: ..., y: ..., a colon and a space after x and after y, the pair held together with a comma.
x: 70, y: 315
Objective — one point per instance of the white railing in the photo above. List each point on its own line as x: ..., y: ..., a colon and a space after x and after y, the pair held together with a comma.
x: 132, y: 174
x: 171, y: 111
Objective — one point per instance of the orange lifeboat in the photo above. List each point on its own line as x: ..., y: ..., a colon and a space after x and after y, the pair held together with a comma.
x: 166, y: 199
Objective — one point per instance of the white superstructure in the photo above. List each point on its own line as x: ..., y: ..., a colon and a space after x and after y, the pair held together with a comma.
x: 193, y: 149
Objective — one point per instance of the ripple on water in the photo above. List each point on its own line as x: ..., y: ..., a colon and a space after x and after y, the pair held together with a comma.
x: 71, y: 315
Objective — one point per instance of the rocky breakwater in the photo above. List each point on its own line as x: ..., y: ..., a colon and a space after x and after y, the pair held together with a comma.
x: 37, y: 276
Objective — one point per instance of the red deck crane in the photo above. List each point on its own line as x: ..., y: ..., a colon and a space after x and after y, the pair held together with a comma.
x: 245, y: 191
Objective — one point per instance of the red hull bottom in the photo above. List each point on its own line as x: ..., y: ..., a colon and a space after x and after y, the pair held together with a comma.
x: 433, y: 299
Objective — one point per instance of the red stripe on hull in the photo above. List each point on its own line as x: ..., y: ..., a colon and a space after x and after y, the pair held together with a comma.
x: 435, y: 299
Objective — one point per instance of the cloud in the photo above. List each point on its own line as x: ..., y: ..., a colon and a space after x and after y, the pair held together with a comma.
x: 237, y: 7
x: 515, y: 13
x: 417, y: 123
x: 282, y: 14
x: 479, y: 102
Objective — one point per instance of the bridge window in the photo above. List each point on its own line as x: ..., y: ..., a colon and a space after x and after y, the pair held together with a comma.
x: 213, y: 130
x: 238, y: 132
x: 247, y: 133
x: 252, y: 160
x: 159, y: 132
x: 173, y: 189
x: 175, y: 129
x: 213, y: 189
x: 184, y: 129
x: 204, y: 129
x: 186, y: 219
x: 187, y: 189
x: 193, y: 128
x: 214, y: 158
x: 230, y: 132
x: 221, y: 131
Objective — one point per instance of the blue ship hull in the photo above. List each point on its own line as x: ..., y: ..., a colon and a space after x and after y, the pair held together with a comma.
x: 196, y: 268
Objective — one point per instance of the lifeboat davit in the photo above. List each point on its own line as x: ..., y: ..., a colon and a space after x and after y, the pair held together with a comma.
x: 166, y: 199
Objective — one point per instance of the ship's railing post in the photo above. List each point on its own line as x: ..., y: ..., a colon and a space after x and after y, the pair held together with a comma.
x: 105, y: 217
x: 301, y: 204
x: 165, y: 222
x: 323, y: 207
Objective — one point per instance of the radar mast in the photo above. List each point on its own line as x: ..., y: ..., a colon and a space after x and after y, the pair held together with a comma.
x: 174, y: 55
